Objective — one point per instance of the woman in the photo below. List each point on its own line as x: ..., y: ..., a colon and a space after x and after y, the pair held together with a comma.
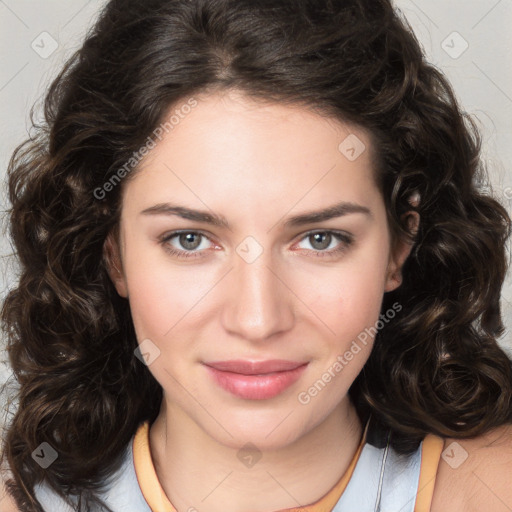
x: 257, y: 272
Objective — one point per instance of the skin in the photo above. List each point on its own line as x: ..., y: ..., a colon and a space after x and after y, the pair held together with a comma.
x: 482, y: 481
x: 256, y: 165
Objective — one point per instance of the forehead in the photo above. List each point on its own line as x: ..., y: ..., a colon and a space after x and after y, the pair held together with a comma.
x: 231, y: 148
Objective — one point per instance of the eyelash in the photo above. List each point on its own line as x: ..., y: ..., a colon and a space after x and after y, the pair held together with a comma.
x: 345, y: 239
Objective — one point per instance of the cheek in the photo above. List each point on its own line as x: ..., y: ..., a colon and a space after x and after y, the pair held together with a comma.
x: 160, y: 299
x: 362, y: 290
x: 153, y: 301
x: 162, y: 308
x: 347, y: 298
x: 349, y: 311
x: 165, y: 297
x: 149, y: 304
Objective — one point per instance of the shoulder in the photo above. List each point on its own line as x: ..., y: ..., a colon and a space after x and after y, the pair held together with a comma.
x: 475, y: 474
x: 6, y: 502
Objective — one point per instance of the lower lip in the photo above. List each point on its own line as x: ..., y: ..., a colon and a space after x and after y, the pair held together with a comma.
x: 256, y: 387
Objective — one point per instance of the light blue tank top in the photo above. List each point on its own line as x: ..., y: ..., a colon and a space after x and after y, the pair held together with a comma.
x: 382, y: 481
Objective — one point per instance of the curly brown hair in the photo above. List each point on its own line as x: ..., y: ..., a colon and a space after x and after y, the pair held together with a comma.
x: 437, y: 368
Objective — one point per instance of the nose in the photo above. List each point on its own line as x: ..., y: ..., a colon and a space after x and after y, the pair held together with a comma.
x: 258, y: 302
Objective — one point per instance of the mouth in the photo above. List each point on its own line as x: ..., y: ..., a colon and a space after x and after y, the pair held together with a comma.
x: 255, y: 380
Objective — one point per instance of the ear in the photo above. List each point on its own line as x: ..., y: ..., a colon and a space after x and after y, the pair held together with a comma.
x: 114, y: 264
x: 401, y: 251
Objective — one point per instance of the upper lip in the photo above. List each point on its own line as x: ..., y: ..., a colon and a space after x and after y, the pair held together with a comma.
x: 255, y: 367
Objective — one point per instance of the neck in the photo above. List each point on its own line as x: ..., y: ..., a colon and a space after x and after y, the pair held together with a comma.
x: 197, y: 472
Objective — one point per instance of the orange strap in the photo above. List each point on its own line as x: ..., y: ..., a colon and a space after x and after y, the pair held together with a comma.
x: 430, y: 455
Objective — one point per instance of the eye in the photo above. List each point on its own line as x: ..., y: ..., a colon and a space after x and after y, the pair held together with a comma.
x: 193, y: 244
x: 335, y: 241
x: 187, y: 243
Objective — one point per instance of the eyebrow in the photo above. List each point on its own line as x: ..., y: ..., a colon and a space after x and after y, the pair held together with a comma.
x: 337, y: 210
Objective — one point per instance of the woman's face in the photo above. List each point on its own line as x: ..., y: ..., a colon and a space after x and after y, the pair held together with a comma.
x: 248, y: 279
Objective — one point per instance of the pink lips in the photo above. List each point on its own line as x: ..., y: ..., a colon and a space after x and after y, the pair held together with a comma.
x: 256, y: 380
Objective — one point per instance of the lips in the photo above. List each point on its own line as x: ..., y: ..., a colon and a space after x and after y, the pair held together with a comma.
x: 255, y: 367
x: 255, y: 380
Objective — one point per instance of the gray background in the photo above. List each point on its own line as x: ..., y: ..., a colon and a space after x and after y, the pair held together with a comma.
x: 470, y: 40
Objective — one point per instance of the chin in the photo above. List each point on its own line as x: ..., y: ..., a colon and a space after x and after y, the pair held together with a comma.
x: 268, y: 431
